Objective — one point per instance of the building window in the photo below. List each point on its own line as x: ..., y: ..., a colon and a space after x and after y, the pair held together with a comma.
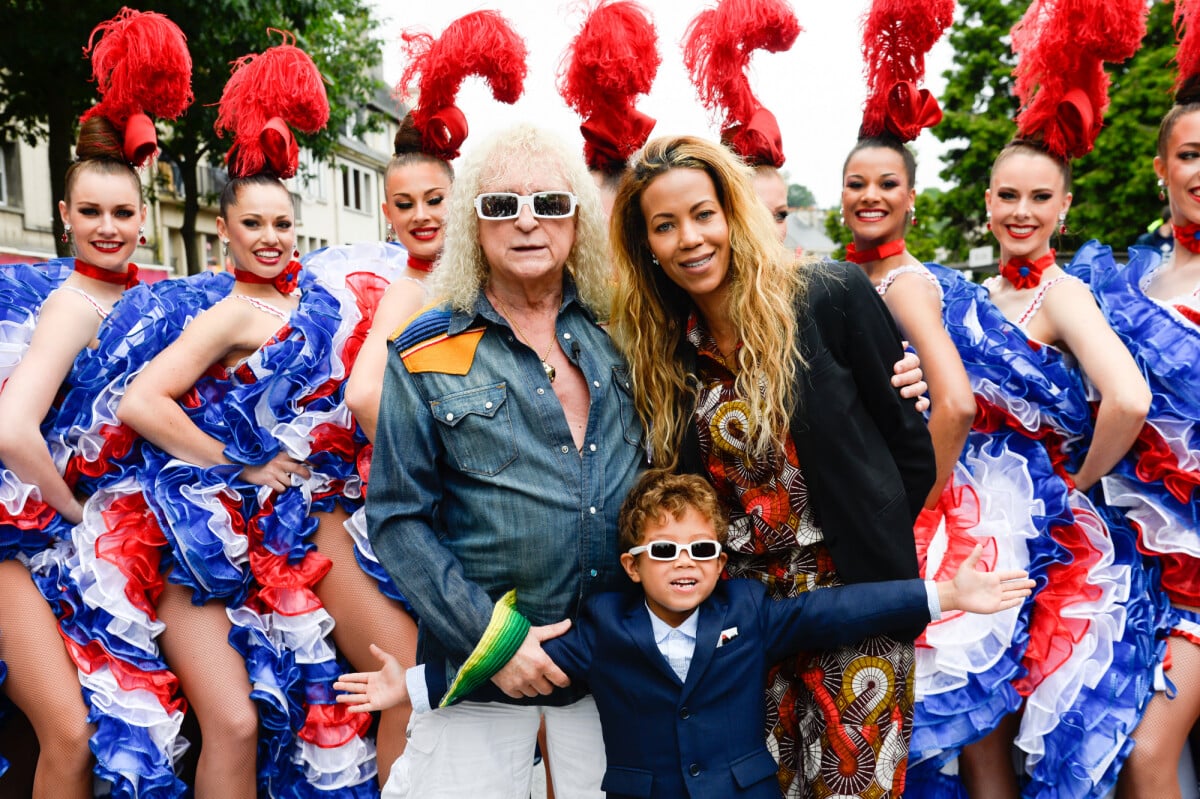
x: 312, y: 177
x: 10, y: 176
x: 356, y: 188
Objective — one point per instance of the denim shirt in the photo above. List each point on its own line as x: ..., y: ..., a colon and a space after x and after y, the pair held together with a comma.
x: 477, y: 486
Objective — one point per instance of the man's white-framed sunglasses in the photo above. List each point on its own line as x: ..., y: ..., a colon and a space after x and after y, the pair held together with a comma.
x: 669, y: 550
x: 499, y: 205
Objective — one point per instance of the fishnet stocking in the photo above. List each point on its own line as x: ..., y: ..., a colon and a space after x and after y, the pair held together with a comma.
x: 43, y: 682
x: 196, y: 647
x: 1163, y: 731
x: 986, y: 766
x: 364, y: 616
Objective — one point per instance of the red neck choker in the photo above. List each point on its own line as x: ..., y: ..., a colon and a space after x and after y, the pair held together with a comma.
x: 128, y: 278
x: 1187, y: 236
x: 1024, y: 273
x: 285, y: 282
x: 885, y: 250
x: 419, y: 264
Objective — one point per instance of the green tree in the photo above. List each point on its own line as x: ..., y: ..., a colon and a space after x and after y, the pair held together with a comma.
x: 1115, y: 192
x: 44, y: 78
x: 979, y: 108
x: 799, y: 196
x: 1115, y: 196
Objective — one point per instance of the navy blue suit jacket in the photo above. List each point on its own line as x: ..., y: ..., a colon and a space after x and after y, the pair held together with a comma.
x: 706, y: 737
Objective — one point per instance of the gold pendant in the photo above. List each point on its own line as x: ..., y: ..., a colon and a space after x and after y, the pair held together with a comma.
x: 549, y: 370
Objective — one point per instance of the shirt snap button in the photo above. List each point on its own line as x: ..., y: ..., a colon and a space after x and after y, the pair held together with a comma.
x: 487, y: 405
x: 565, y: 449
x: 449, y: 417
x: 541, y: 391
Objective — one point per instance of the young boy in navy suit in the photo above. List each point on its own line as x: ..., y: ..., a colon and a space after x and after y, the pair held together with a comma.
x: 678, y: 669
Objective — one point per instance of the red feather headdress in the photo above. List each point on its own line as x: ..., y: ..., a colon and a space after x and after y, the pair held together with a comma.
x: 1061, y: 47
x: 141, y: 66
x: 481, y: 43
x: 265, y: 94
x: 897, y: 34
x: 716, y: 51
x: 612, y: 61
x: 1187, y: 57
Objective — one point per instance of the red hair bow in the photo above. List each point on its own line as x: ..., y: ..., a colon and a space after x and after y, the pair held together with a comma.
x: 758, y: 141
x: 445, y: 131
x: 607, y: 141
x: 910, y: 110
x: 279, y: 147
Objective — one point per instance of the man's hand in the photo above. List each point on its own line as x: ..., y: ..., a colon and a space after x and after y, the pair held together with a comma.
x: 981, y: 591
x: 530, y: 671
x: 374, y: 690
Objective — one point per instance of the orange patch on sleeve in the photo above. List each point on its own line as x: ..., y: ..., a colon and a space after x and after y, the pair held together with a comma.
x: 451, y: 355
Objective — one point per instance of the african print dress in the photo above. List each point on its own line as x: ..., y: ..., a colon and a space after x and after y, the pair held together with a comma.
x: 1077, y: 659
x: 837, y: 720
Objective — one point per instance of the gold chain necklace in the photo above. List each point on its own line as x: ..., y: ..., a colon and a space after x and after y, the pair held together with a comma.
x: 546, y: 367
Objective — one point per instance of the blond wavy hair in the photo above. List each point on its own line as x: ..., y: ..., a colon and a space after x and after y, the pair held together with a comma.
x: 529, y: 153
x: 650, y: 313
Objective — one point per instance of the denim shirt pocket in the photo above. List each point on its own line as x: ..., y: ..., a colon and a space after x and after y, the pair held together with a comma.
x: 631, y: 425
x: 476, y: 428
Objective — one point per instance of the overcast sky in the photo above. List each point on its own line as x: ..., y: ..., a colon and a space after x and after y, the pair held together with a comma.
x: 815, y: 90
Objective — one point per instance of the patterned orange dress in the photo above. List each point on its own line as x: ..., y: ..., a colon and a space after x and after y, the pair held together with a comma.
x: 838, y: 720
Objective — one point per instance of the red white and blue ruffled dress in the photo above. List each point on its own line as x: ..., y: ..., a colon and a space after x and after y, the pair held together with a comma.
x: 1080, y: 654
x: 1157, y: 485
x: 28, y: 525
x: 83, y: 442
x: 370, y: 268
x: 236, y: 543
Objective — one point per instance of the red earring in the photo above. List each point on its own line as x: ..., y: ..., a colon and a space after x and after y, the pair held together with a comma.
x: 63, y: 238
x: 296, y: 253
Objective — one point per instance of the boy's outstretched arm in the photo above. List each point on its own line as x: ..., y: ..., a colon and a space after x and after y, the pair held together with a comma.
x: 983, y: 592
x: 368, y: 691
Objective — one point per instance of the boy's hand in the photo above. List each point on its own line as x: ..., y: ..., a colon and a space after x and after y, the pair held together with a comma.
x: 374, y: 690
x: 983, y: 592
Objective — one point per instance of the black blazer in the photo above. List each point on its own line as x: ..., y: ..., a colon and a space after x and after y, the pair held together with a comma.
x: 865, y: 452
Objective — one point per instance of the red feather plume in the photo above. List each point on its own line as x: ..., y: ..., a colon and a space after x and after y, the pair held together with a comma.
x: 612, y: 61
x: 1062, y: 46
x: 1187, y: 25
x: 716, y: 51
x: 141, y: 65
x: 897, y: 35
x: 481, y: 43
x: 266, y: 94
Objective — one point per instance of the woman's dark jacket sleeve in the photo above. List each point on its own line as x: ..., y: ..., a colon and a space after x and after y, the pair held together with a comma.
x: 866, y: 453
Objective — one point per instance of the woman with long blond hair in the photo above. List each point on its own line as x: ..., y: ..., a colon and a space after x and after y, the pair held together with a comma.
x: 774, y: 380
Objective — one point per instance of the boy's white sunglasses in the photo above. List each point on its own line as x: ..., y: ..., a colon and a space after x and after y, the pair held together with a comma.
x: 669, y: 550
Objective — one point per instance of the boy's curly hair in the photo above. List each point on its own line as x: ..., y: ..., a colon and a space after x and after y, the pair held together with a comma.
x: 660, y: 492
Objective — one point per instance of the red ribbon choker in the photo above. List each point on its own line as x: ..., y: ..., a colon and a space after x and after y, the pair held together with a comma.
x: 885, y: 250
x: 419, y: 264
x: 285, y: 282
x: 1024, y: 273
x: 128, y: 278
x: 1188, y: 236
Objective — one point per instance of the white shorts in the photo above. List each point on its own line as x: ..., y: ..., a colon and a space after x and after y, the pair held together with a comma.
x: 484, y: 750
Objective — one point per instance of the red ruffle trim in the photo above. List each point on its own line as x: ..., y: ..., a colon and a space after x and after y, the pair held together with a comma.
x: 1156, y: 462
x: 1052, y: 637
x: 331, y: 726
x: 133, y: 543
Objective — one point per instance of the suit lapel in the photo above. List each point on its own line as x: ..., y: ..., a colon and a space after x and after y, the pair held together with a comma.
x: 637, y: 626
x: 708, y: 630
